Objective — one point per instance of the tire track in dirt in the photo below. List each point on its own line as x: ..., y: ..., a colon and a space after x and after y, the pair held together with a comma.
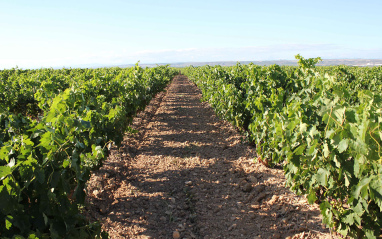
x: 188, y: 174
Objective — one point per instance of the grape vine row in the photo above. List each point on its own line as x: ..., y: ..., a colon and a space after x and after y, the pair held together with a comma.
x: 56, y: 126
x: 322, y: 124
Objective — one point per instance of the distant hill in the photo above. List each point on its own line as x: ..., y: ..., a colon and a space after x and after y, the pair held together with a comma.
x: 325, y: 62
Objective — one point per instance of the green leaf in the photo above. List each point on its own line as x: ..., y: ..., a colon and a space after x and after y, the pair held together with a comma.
x: 303, y: 127
x: 346, y: 177
x: 329, y: 133
x: 5, y: 171
x: 8, y: 223
x: 376, y: 190
x: 336, y: 161
x: 325, y: 211
x: 349, y: 219
x: 363, y: 129
x: 343, y: 145
x: 350, y: 116
x: 359, y: 163
x: 313, y: 131
x: 326, y: 150
x: 32, y: 236
x: 312, y: 196
x: 322, y: 176
x: 361, y: 187
x: 339, y: 113
x: 358, y: 209
x: 370, y: 234
x: 299, y: 150
x: 18, y: 237
x: 66, y: 163
x: 46, y: 219
x: 12, y: 162
x: 311, y: 150
x: 343, y: 229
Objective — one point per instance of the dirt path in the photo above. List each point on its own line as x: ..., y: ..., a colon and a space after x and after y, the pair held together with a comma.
x: 187, y: 174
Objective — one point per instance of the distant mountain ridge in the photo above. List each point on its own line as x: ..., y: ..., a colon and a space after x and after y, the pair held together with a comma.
x: 325, y: 62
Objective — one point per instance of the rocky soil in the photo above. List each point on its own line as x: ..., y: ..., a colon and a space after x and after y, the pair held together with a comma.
x: 187, y: 174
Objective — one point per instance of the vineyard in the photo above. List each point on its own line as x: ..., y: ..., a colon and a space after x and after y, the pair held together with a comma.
x: 57, y: 126
x: 321, y: 125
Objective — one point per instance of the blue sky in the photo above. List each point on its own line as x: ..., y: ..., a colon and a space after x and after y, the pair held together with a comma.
x: 70, y: 33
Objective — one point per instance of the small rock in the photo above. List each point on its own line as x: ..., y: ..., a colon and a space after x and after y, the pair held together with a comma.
x: 95, y: 193
x: 176, y: 235
x: 276, y: 235
x: 181, y: 228
x: 188, y: 183
x: 172, y: 200
x: 242, y: 182
x: 102, y: 209
x: 112, y: 181
x: 260, y: 188
x: 233, y: 226
x: 273, y: 199
x: 301, y: 229
x: 252, y: 215
x: 253, y: 179
x: 261, y: 196
x: 168, y: 212
x: 247, y: 187
x: 162, y: 218
x: 250, y: 197
x: 284, y: 209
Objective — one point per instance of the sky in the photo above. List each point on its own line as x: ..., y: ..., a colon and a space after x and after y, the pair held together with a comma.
x: 43, y: 34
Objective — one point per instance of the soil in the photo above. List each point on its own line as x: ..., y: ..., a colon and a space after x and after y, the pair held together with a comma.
x: 188, y: 174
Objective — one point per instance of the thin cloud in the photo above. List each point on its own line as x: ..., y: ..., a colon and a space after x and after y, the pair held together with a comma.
x: 250, y: 53
x: 271, y: 52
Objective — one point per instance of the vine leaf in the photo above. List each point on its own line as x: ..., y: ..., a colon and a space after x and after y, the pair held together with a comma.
x: 4, y: 172
x: 361, y: 188
x: 322, y: 176
x: 343, y: 145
